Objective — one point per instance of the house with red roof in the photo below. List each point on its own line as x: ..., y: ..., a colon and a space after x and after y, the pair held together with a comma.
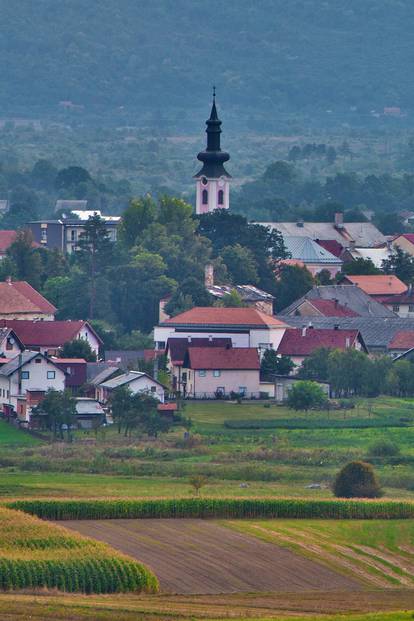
x: 299, y: 343
x: 402, y: 304
x: 49, y: 337
x: 176, y: 351
x: 7, y: 238
x: 378, y: 286
x: 405, y: 241
x: 217, y: 372
x: 19, y: 300
x: 402, y: 341
x: 324, y: 308
x: 246, y: 327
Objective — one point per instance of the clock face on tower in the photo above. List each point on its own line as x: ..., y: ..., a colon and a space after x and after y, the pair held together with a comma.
x: 204, y: 180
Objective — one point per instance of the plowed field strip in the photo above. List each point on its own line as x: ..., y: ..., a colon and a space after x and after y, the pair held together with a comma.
x: 200, y: 556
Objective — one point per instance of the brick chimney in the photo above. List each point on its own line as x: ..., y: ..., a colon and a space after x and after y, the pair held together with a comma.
x: 209, y: 275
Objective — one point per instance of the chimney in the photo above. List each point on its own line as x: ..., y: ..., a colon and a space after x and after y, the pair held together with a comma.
x: 352, y: 244
x: 303, y: 330
x: 210, y: 338
x: 209, y: 275
x: 339, y: 219
x: 336, y: 302
x: 189, y: 339
x: 310, y: 325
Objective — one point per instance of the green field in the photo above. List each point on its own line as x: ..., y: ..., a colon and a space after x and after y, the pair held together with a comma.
x: 235, y: 462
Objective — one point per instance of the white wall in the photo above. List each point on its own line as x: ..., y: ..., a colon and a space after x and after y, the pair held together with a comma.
x: 230, y: 380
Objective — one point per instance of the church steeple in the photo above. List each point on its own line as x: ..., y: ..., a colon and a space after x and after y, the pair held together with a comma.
x: 212, y: 174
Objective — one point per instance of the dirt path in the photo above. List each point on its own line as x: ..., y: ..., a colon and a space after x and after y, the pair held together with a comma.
x: 200, y: 556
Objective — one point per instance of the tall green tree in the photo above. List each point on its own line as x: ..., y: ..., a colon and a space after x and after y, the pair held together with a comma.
x: 94, y: 254
x: 401, y: 264
x: 293, y: 282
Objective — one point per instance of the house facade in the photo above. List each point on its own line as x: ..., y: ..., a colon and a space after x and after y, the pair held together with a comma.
x: 246, y: 327
x: 135, y: 381
x: 24, y: 381
x: 300, y: 343
x: 49, y: 337
x: 217, y: 372
x: 64, y: 234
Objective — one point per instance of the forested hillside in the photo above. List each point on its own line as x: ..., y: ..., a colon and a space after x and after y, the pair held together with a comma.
x: 159, y: 59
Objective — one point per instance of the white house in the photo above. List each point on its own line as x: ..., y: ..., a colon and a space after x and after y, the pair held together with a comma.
x: 246, y: 327
x: 24, y: 381
x: 135, y: 381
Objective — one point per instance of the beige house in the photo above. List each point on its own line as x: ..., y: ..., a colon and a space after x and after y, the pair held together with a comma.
x: 405, y: 241
x: 216, y: 372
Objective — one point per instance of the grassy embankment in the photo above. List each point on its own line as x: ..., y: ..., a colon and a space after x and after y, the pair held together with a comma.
x: 261, y: 462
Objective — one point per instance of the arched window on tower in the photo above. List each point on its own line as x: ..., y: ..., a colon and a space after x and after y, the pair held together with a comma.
x: 220, y: 197
x: 205, y: 197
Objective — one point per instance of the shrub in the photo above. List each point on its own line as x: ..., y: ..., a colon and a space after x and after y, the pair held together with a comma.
x: 383, y: 448
x: 305, y: 395
x: 356, y: 480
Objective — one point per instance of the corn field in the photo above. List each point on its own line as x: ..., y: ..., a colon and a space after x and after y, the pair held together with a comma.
x: 216, y: 508
x: 34, y: 554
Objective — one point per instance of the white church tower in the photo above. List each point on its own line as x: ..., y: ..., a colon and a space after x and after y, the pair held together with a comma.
x: 212, y: 185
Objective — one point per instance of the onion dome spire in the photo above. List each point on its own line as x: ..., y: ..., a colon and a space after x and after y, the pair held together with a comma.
x: 213, y: 157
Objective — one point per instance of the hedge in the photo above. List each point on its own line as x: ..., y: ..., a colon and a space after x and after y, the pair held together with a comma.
x: 215, y: 508
x: 316, y: 423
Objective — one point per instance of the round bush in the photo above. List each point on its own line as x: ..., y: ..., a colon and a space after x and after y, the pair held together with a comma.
x: 357, y: 480
x: 383, y: 448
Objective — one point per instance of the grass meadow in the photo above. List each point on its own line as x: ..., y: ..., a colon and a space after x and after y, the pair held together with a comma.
x: 237, y: 461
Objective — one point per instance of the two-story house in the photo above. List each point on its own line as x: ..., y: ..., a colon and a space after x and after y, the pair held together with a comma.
x: 24, y: 381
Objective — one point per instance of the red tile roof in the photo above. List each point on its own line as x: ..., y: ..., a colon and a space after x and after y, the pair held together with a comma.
x: 403, y: 340
x: 167, y: 407
x: 217, y: 316
x: 331, y: 245
x: 44, y: 333
x: 20, y: 297
x: 7, y: 238
x: 178, y: 347
x: 294, y: 344
x: 240, y: 358
x: 408, y: 236
x: 330, y: 308
x: 403, y: 298
x: 380, y: 284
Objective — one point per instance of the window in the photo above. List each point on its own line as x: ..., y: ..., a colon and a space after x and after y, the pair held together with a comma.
x: 216, y: 373
x: 43, y: 236
x: 220, y: 197
x: 153, y: 388
x: 396, y: 308
x: 9, y: 344
x: 242, y: 390
x: 38, y: 360
x: 51, y: 374
x: 160, y: 345
x: 25, y: 375
x: 205, y: 197
x: 184, y: 377
x: 202, y: 373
